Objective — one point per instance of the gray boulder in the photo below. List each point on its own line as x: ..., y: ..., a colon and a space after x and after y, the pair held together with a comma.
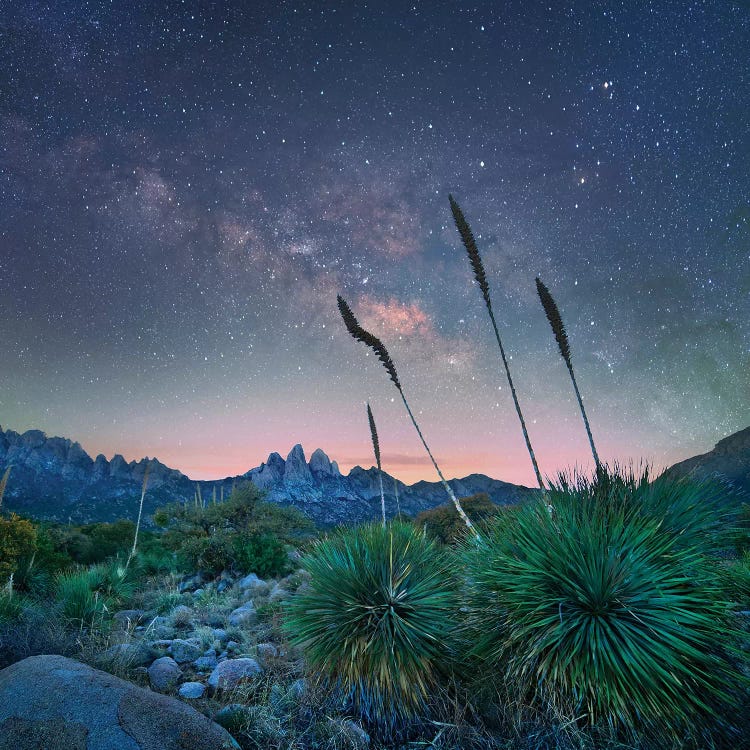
x: 244, y: 615
x: 129, y: 655
x: 164, y: 673
x: 253, y: 585
x: 55, y: 703
x: 230, y: 673
x: 184, y: 651
x: 192, y: 690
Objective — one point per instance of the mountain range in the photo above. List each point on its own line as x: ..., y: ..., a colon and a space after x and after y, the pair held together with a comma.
x: 53, y: 478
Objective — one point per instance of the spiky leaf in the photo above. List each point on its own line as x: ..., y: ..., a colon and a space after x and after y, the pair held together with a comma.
x: 472, y: 251
x: 360, y: 334
x: 555, y: 320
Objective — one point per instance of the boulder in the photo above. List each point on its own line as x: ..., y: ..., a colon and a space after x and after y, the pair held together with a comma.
x: 184, y: 651
x: 253, y: 585
x: 164, y: 673
x: 192, y: 690
x: 55, y: 703
x: 129, y: 655
x: 230, y: 673
x: 244, y: 615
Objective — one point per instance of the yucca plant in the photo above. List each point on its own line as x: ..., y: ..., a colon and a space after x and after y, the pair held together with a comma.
x: 376, y: 618
x: 604, y: 609
x: 558, y: 329
x: 376, y: 450
x: 140, y: 513
x: 467, y: 237
x: 374, y: 343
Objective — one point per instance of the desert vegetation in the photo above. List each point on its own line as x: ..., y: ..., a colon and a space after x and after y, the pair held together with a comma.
x: 611, y: 611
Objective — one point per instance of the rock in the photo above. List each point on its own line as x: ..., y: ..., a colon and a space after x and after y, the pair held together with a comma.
x: 55, y: 703
x: 198, y: 593
x: 205, y: 663
x: 297, y: 471
x: 230, y: 673
x: 233, y: 646
x: 222, y: 586
x: 184, y: 651
x: 128, y: 618
x: 253, y: 585
x: 297, y: 688
x: 220, y: 634
x: 279, y: 594
x: 266, y: 652
x: 129, y: 654
x: 192, y: 690
x: 356, y: 735
x: 164, y: 673
x: 244, y: 615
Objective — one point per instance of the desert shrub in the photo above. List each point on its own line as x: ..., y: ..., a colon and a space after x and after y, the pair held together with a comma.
x: 263, y: 554
x: 376, y: 618
x: 444, y: 524
x: 17, y: 538
x: 601, y: 605
x: 242, y: 531
x: 107, y: 540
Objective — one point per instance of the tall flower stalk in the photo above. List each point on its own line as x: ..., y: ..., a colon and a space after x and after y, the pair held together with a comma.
x: 4, y: 484
x: 558, y: 328
x: 481, y: 277
x: 374, y: 343
x: 376, y: 449
x: 140, y: 514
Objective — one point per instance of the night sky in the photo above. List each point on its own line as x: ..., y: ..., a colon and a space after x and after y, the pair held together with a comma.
x: 185, y: 187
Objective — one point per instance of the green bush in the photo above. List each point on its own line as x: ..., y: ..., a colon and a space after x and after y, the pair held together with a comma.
x: 263, y: 554
x: 11, y: 606
x: 601, y: 605
x: 17, y: 538
x: 377, y: 618
x: 242, y: 532
x: 444, y: 524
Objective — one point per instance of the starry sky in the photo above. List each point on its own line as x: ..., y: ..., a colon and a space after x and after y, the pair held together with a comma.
x: 186, y: 186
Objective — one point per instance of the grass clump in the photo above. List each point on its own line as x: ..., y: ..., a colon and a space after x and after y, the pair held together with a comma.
x: 376, y: 618
x: 601, y: 605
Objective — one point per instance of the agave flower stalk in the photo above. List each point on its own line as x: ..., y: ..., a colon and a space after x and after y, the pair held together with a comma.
x: 376, y: 449
x: 140, y: 514
x: 360, y: 334
x: 4, y: 484
x: 395, y: 492
x: 558, y: 328
x: 481, y: 277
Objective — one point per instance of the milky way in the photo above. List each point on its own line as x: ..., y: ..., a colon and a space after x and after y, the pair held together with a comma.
x: 185, y: 187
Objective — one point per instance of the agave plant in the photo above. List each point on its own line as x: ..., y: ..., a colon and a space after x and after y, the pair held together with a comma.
x: 558, y: 329
x: 477, y: 266
x: 604, y: 608
x: 376, y: 618
x: 376, y: 449
x: 360, y: 334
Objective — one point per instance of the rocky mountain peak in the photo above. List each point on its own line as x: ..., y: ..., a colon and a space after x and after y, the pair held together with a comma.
x: 296, y: 470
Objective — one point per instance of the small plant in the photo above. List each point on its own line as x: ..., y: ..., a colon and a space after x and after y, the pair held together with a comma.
x: 17, y: 539
x: 467, y: 237
x: 376, y: 618
x: 558, y: 329
x: 376, y: 450
x: 360, y: 334
x: 605, y: 609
